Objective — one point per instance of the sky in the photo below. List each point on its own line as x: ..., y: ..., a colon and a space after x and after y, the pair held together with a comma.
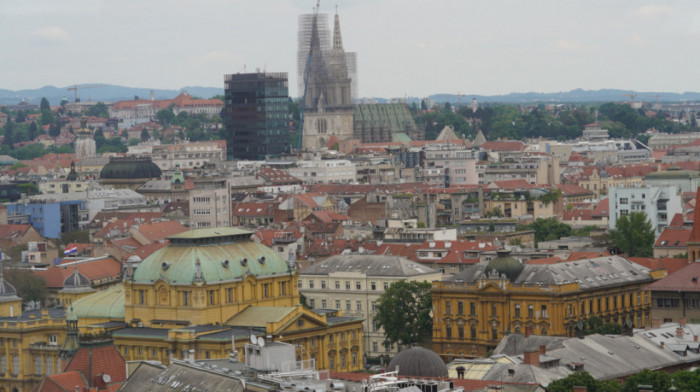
x: 404, y: 47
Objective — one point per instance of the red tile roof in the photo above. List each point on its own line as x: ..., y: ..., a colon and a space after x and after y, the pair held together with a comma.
x: 602, y: 209
x: 159, y: 231
x: 11, y: 232
x: 695, y: 234
x: 104, y: 268
x: 573, y: 256
x: 455, y: 250
x: 575, y: 215
x: 95, y: 361
x: 673, y: 237
x: 686, y: 279
x: 63, y: 382
x: 148, y: 249
x: 278, y: 176
x: 546, y: 260
x: 253, y: 209
x: 670, y: 264
x: 573, y: 190
x: 512, y: 184
x: 351, y: 189
x: 677, y: 221
x: 505, y: 145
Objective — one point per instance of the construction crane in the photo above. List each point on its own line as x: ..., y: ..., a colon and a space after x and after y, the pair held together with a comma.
x: 633, y: 96
x: 83, y: 87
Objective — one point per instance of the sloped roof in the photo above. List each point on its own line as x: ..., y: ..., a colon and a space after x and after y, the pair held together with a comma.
x: 103, y: 304
x: 673, y: 237
x: 161, y: 230
x: 11, y: 232
x: 93, y: 269
x: 686, y: 279
x: 602, y: 209
x: 504, y: 145
x: 695, y: 233
x: 63, y: 382
x: 371, y: 265
x: 94, y: 361
x: 259, y: 316
x: 670, y: 264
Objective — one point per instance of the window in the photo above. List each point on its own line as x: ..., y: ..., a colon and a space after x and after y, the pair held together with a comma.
x: 49, y: 365
x: 472, y: 308
x: 283, y: 288
x: 142, y: 297
x: 323, y: 304
x: 186, y: 298
x: 212, y: 299
x: 312, y: 342
x: 375, y: 327
x: 15, y: 364
x: 53, y: 340
x: 494, y: 333
x: 448, y: 331
x: 311, y: 284
x: 386, y: 286
x: 358, y: 286
x: 229, y: 294
x: 37, y: 365
x: 517, y: 310
x: 460, y: 331
x: 337, y: 304
x: 543, y: 311
x: 374, y: 306
x: 266, y: 290
x: 312, y: 303
x: 460, y: 307
x: 494, y: 310
x: 473, y: 331
x: 323, y: 285
x: 624, y: 200
x: 3, y: 365
x: 359, y: 306
x: 375, y: 347
x: 373, y: 286
x: 347, y: 285
x: 347, y: 305
x: 530, y: 311
x: 354, y: 358
x: 154, y: 353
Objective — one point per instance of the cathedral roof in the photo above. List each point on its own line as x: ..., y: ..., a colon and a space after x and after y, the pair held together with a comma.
x: 210, y: 255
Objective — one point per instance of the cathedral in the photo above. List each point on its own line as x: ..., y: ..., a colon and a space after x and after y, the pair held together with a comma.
x: 328, y: 109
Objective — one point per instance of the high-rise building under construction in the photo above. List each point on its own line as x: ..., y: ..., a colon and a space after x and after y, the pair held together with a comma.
x: 326, y: 82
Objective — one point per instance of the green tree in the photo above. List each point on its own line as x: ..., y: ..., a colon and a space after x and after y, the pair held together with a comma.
x: 145, y: 135
x: 44, y: 105
x: 685, y: 380
x: 404, y: 312
x: 98, y: 110
x: 661, y: 381
x: 165, y: 116
x: 33, y: 131
x: 54, y: 130
x: 633, y: 235
x: 28, y: 188
x: 548, y: 229
x: 496, y: 212
x: 582, y: 379
x: 9, y: 134
x: 29, y: 287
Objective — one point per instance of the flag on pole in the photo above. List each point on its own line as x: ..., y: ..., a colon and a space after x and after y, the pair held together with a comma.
x: 70, y: 250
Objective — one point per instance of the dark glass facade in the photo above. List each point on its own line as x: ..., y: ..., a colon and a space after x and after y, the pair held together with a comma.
x: 256, y: 115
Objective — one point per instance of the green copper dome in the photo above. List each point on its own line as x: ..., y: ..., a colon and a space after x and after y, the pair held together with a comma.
x: 210, y: 255
x: 504, y: 263
x: 130, y: 168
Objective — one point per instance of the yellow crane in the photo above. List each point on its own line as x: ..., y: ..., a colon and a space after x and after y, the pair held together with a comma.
x: 633, y: 96
x: 76, y: 87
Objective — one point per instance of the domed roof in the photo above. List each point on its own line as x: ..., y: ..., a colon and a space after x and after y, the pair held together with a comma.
x: 103, y: 304
x: 130, y: 168
x: 76, y: 280
x: 210, y: 255
x: 418, y: 362
x: 504, y: 263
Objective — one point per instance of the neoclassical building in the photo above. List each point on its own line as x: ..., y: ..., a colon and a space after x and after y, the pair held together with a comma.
x: 475, y: 309
x: 208, y: 289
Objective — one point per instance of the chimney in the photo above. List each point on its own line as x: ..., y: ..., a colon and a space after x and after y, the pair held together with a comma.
x: 580, y: 389
x: 695, y: 338
x: 656, y: 323
x: 679, y: 332
x: 529, y: 330
x: 543, y: 349
x: 682, y: 321
x: 661, y: 344
x: 532, y: 358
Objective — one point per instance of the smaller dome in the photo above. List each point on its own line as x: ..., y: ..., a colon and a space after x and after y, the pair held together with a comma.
x: 6, y: 289
x: 418, y: 362
x: 130, y: 168
x: 76, y: 280
x: 504, y: 263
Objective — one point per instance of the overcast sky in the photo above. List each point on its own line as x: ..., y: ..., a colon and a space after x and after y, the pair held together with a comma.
x: 404, y: 47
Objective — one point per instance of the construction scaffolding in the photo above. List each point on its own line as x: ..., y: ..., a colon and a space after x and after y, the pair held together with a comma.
x: 306, y: 25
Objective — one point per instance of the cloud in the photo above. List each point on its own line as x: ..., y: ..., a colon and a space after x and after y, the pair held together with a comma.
x: 652, y: 11
x: 51, y: 34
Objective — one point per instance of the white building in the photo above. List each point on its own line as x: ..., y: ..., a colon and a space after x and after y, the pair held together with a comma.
x: 210, y: 203
x: 354, y: 283
x: 660, y: 203
x: 325, y: 171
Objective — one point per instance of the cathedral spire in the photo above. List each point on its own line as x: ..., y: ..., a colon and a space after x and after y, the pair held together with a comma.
x: 337, y: 37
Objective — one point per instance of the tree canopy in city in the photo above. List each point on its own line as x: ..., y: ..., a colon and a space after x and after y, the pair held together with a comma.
x: 403, y: 311
x: 633, y: 235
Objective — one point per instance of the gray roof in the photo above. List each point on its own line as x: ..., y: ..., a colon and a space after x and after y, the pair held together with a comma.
x: 371, y: 265
x: 516, y: 343
x: 589, y: 273
x: 155, y: 186
x: 94, y: 161
x: 418, y: 362
x: 181, y: 376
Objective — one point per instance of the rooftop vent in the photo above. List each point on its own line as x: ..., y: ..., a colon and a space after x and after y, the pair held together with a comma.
x: 244, y: 261
x: 225, y: 263
x: 261, y: 259
x: 164, y: 265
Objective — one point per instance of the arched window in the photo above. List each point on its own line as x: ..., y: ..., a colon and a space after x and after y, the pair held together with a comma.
x: 49, y: 365
x: 3, y: 365
x: 37, y: 365
x: 15, y: 364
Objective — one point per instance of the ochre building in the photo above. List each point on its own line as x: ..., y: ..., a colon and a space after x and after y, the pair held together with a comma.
x: 475, y: 309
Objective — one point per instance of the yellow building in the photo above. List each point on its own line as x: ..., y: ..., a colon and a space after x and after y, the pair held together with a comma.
x: 30, y: 342
x: 475, y: 309
x: 601, y: 182
x: 210, y: 286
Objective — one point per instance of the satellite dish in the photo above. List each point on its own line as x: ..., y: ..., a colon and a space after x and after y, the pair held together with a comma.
x: 261, y: 342
x: 252, y: 339
x: 106, y: 378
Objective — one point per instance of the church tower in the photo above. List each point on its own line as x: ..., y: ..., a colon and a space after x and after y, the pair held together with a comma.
x: 328, y: 107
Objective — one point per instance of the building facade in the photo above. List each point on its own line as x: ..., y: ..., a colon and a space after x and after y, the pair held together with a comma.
x: 210, y: 203
x: 659, y: 203
x: 256, y: 115
x: 354, y: 283
x: 475, y: 309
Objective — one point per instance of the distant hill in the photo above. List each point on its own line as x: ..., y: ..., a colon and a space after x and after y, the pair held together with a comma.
x: 108, y: 93
x: 573, y: 96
